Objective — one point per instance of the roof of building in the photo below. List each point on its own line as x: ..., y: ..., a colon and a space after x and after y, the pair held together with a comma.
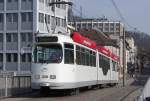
x: 99, y: 37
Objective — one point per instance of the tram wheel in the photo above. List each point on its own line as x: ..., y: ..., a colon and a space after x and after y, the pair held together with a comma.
x: 44, y: 91
x: 75, y: 91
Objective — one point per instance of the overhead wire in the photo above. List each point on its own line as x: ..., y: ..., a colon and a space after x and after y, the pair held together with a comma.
x: 121, y: 16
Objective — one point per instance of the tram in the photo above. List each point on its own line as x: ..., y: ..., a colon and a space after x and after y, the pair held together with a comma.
x: 69, y: 62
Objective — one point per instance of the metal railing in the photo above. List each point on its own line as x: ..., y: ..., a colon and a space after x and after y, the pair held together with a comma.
x: 11, y: 84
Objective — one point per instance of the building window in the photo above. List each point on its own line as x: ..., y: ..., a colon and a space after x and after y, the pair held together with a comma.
x: 23, y: 58
x: 1, y: 57
x: 112, y: 25
x: 57, y: 21
x: 8, y: 37
x: 1, y: 37
x: 27, y: 17
x: 53, y: 21
x: 1, y: 18
x: 26, y: 37
x: 69, y: 53
x: 41, y: 17
x: 9, y: 18
x: 12, y: 17
x: 8, y: 57
x: 29, y: 37
x: 23, y: 37
x: 47, y: 2
x: 1, y: 1
x: 64, y: 6
x: 11, y: 37
x: 42, y: 1
x: 89, y: 25
x: 47, y: 19
x: 29, y: 57
x: 53, y: 6
x: 15, y: 17
x: 106, y: 29
x: 9, y: 1
x: 63, y: 22
x: 117, y: 24
x: 15, y: 37
x: 15, y: 57
x: 106, y: 24
x: 84, y: 26
x: 30, y: 17
x: 111, y: 29
x: 23, y: 17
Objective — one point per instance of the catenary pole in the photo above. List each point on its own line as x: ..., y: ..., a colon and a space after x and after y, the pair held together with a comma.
x: 124, y: 57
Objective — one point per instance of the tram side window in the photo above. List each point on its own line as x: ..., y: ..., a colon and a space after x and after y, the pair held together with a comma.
x: 94, y: 59
x: 78, y: 55
x: 69, y: 53
x: 104, y: 62
x: 114, y: 66
x: 100, y: 61
x: 85, y: 57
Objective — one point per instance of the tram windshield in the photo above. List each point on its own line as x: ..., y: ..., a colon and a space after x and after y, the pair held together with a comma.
x: 48, y: 53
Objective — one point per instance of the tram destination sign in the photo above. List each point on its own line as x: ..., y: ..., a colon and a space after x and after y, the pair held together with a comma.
x: 47, y: 39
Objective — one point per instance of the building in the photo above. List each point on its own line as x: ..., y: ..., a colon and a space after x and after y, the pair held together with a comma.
x: 19, y: 20
x: 114, y: 28
x: 131, y: 52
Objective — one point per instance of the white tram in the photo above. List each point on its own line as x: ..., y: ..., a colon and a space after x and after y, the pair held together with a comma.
x: 64, y: 62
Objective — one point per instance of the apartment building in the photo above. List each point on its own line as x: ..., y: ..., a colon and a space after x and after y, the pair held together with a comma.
x: 19, y: 20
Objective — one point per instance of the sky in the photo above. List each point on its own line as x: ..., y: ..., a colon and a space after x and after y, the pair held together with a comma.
x: 135, y: 12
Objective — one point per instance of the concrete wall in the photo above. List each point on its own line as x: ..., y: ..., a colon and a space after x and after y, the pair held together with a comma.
x: 10, y: 85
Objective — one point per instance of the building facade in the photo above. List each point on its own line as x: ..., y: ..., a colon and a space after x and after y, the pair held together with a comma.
x: 131, y: 51
x: 19, y: 20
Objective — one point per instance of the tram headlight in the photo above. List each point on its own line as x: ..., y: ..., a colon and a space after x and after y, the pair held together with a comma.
x: 37, y: 76
x: 52, y: 76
